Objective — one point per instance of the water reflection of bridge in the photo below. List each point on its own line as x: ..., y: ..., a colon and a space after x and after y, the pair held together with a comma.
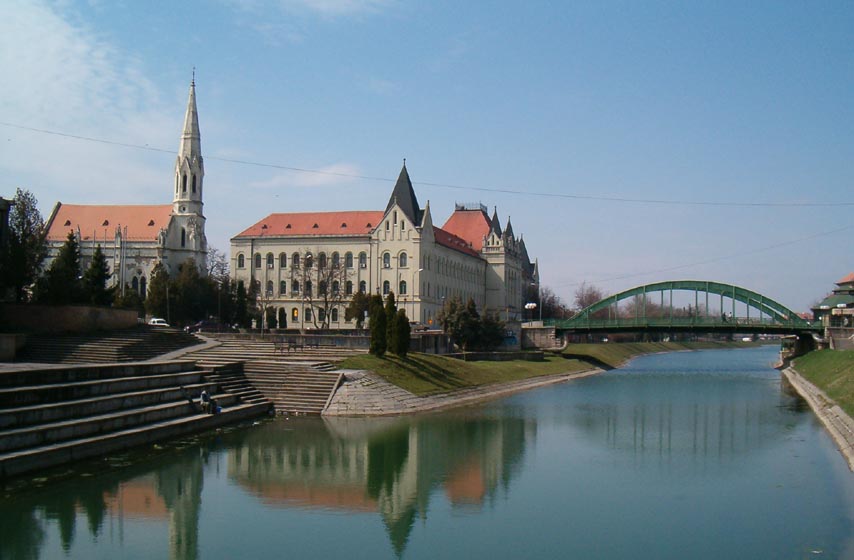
x: 390, y: 466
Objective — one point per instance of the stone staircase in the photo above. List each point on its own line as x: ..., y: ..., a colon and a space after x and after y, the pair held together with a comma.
x: 54, y: 415
x: 296, y: 382
x: 131, y: 345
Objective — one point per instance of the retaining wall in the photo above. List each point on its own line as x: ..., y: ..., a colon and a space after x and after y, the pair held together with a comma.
x: 64, y: 318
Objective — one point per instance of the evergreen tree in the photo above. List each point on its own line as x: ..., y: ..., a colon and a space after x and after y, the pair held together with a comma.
x: 402, y: 334
x: 27, y: 247
x: 130, y: 300
x: 62, y: 284
x: 390, y: 314
x: 158, y: 290
x: 95, y: 279
x: 187, y: 294
x: 379, y: 342
x: 241, y: 315
x: 356, y: 309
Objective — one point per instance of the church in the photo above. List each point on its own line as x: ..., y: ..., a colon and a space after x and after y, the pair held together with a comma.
x: 134, y: 238
x: 306, y: 266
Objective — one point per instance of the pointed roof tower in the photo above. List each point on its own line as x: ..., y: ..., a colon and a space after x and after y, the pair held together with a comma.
x: 496, y: 225
x: 191, y: 140
x: 404, y: 195
x: 508, y: 231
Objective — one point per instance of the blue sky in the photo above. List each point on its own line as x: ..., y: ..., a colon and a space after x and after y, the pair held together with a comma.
x: 705, y: 102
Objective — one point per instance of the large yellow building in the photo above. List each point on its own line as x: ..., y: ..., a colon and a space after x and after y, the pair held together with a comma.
x: 308, y: 265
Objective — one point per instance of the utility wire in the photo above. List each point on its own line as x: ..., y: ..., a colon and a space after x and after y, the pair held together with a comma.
x: 503, y: 190
x: 714, y: 259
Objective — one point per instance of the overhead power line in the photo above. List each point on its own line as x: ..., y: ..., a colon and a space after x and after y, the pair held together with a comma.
x: 502, y: 190
x: 712, y: 259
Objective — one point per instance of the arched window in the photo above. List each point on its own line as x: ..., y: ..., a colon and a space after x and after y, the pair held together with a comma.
x: 184, y: 183
x: 348, y: 288
x: 321, y: 260
x: 334, y: 314
x: 194, y: 182
x: 335, y: 287
x: 241, y: 261
x: 363, y: 260
x: 257, y: 260
x: 336, y: 260
x: 386, y: 288
x: 295, y: 287
x: 177, y: 183
x: 183, y: 237
x: 308, y: 314
x: 283, y: 287
x: 283, y: 318
x: 402, y: 260
x: 363, y: 287
x: 295, y: 260
x: 269, y: 287
x: 294, y: 315
x: 283, y: 260
x: 386, y: 260
x: 134, y: 284
x: 309, y: 261
x: 321, y: 288
x: 402, y: 288
x: 348, y: 260
x: 307, y: 288
x: 321, y: 314
x: 142, y: 287
x: 270, y: 260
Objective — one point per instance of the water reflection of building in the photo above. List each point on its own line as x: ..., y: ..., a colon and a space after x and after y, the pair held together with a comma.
x: 387, y: 466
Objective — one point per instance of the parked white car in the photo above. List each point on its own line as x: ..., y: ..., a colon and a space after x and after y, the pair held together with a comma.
x: 157, y: 322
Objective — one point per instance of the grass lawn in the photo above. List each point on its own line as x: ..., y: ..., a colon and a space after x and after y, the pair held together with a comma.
x: 425, y: 374
x: 615, y: 354
x: 833, y: 372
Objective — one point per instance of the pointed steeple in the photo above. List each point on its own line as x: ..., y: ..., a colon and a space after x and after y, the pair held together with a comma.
x: 404, y: 196
x: 191, y: 141
x: 508, y: 231
x: 495, y: 224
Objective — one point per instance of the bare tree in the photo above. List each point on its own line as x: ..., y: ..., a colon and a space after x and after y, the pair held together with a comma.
x: 217, y: 264
x: 325, y: 280
x: 586, y: 295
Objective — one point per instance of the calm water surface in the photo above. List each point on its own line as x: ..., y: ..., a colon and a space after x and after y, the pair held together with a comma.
x: 689, y: 455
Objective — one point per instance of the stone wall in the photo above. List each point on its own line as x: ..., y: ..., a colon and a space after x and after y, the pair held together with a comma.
x: 63, y: 318
x: 539, y: 337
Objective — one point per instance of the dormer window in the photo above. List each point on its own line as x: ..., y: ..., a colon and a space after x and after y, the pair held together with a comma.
x: 67, y: 222
x: 315, y: 226
x: 264, y: 226
x: 369, y: 226
x: 106, y: 223
x: 288, y: 226
x: 344, y: 225
x: 150, y: 222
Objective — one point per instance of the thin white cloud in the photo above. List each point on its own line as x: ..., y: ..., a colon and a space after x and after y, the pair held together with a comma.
x: 323, y: 8
x: 63, y: 76
x: 331, y: 175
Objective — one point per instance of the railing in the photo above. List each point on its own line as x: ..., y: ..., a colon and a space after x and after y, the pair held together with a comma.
x: 729, y: 323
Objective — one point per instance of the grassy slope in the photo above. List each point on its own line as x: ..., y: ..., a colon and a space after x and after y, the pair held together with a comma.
x: 425, y: 374
x: 616, y: 354
x: 833, y: 372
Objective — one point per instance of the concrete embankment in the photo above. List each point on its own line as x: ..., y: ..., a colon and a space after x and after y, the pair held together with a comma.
x: 367, y: 394
x: 835, y: 420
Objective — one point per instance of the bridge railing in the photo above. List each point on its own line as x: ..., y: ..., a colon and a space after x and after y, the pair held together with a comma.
x: 727, y: 323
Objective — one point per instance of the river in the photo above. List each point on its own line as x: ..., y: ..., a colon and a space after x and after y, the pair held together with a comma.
x: 686, y: 455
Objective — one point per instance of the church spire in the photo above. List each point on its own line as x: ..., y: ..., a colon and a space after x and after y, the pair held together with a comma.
x: 191, y: 142
x: 404, y: 196
x: 494, y: 223
x: 189, y: 165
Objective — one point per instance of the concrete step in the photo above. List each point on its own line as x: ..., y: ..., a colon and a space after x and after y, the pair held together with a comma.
x: 60, y: 392
x: 18, y: 462
x: 91, y: 372
x: 12, y: 418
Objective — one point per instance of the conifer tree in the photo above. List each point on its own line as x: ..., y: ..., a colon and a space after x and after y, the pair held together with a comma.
x: 390, y: 319
x: 402, y: 332
x: 95, y: 279
x: 61, y: 285
x: 22, y: 258
x: 379, y: 341
x: 155, y: 302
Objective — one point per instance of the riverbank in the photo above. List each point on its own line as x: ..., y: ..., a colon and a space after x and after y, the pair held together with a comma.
x: 616, y: 354
x: 839, y: 424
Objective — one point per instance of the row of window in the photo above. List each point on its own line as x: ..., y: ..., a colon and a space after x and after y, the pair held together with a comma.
x: 182, y: 179
x: 308, y: 288
x: 308, y: 262
x: 321, y: 315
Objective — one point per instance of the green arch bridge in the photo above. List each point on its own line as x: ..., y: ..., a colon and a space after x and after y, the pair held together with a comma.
x: 650, y: 309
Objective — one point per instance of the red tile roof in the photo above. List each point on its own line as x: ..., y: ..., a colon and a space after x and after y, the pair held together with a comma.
x: 315, y: 223
x: 847, y: 280
x: 471, y: 225
x: 454, y: 242
x: 143, y: 222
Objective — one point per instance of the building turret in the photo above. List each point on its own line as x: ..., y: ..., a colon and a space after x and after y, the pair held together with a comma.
x: 189, y: 166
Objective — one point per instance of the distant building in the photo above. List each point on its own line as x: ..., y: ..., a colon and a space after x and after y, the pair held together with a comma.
x: 137, y: 237
x: 308, y: 265
x: 837, y: 309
